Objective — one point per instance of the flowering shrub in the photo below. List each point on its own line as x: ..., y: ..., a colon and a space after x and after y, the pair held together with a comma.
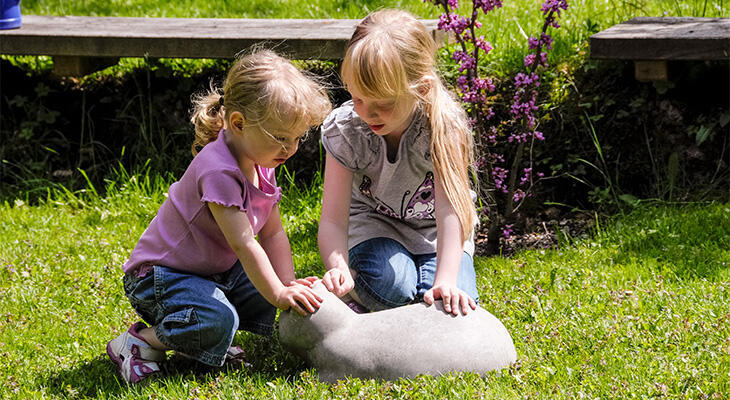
x: 504, y: 193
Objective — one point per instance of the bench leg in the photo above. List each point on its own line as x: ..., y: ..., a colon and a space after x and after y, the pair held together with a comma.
x: 651, y: 71
x: 80, y: 66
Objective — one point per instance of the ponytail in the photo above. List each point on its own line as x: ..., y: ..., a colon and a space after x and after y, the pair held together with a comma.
x: 207, y: 117
x: 452, y: 151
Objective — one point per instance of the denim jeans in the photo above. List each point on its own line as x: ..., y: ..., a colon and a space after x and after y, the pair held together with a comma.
x: 389, y: 276
x: 196, y: 315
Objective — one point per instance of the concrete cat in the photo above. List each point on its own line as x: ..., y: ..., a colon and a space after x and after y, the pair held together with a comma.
x: 400, y: 342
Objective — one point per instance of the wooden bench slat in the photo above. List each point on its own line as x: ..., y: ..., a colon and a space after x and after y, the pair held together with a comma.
x: 179, y: 37
x: 664, y: 38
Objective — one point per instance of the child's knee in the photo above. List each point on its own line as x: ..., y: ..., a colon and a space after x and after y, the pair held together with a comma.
x: 205, y: 326
x: 217, y: 325
x: 380, y: 294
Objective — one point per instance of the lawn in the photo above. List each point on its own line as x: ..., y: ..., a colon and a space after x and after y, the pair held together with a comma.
x: 636, y: 309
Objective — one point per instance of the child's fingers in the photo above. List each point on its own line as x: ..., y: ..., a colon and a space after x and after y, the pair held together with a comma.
x: 452, y: 298
x: 428, y: 297
x: 446, y: 299
x: 329, y: 280
x: 344, y: 286
x: 315, y: 296
x: 302, y: 306
x: 300, y: 281
x: 310, y: 299
x: 308, y: 281
x: 465, y: 303
x: 337, y: 282
x: 455, y: 300
x: 299, y: 309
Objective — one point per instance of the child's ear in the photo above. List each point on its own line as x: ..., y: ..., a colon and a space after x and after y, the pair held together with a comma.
x: 236, y: 122
x: 425, y: 87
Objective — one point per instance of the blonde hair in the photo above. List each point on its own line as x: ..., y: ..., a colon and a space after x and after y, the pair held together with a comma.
x: 392, y: 55
x: 268, y: 91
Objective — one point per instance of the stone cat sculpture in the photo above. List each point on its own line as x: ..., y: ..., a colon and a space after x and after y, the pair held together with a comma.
x: 400, y: 342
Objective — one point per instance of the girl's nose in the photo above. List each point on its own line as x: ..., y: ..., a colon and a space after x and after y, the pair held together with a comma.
x: 372, y: 112
x: 292, y: 148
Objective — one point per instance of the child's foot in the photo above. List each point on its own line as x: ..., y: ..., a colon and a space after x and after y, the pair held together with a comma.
x: 354, y: 305
x: 236, y: 356
x: 357, y: 307
x: 136, y: 359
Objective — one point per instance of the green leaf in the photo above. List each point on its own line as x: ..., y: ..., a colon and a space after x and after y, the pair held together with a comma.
x: 724, y: 118
x: 629, y: 199
x: 42, y: 90
x: 702, y: 134
x: 18, y: 101
x: 596, y: 117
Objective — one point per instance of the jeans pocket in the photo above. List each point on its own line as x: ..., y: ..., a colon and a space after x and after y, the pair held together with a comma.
x: 183, y: 329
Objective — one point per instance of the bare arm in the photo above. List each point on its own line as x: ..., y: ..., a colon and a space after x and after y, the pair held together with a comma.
x: 449, y: 249
x: 275, y: 243
x: 239, y: 234
x: 333, y: 227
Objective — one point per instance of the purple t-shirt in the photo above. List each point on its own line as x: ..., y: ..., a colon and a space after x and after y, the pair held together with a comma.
x: 184, y: 235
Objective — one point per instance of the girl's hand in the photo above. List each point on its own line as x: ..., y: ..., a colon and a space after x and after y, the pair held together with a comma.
x: 338, y: 281
x: 308, y: 281
x: 453, y: 298
x: 298, y: 297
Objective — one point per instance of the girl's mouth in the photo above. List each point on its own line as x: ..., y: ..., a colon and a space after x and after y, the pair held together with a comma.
x: 376, y: 127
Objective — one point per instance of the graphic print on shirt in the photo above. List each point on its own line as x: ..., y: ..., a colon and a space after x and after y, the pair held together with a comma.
x: 420, y: 205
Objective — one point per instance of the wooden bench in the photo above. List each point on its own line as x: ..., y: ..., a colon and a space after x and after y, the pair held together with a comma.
x: 651, y: 42
x: 82, y: 44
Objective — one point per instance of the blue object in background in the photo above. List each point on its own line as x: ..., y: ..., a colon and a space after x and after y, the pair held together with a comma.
x: 10, y: 14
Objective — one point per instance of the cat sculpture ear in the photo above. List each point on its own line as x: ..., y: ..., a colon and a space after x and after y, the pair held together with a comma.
x: 402, y: 342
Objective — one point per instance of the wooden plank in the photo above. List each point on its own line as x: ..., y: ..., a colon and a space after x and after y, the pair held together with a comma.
x: 664, y: 38
x: 180, y: 37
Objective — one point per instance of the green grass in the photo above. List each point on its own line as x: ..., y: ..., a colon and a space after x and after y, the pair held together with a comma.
x: 638, y: 310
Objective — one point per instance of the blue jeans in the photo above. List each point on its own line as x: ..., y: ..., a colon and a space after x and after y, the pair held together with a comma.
x: 196, y: 315
x: 390, y: 276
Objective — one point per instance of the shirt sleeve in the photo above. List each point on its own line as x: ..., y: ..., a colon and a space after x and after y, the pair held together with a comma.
x: 345, y: 139
x: 221, y: 187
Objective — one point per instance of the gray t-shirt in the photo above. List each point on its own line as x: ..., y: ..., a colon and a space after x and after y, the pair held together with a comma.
x: 393, y: 200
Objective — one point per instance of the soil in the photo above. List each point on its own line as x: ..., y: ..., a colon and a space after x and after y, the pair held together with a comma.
x: 549, y: 229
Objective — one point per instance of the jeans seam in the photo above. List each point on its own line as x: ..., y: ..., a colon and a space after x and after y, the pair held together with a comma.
x: 159, y: 287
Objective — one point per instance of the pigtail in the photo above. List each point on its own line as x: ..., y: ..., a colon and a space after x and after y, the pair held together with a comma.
x: 452, y: 151
x: 207, y: 117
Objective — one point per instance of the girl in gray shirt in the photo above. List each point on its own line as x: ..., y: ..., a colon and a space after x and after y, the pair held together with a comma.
x: 397, y: 209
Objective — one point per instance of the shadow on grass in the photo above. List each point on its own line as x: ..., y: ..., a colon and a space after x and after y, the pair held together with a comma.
x: 87, y: 379
x: 688, y: 242
x: 266, y: 359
